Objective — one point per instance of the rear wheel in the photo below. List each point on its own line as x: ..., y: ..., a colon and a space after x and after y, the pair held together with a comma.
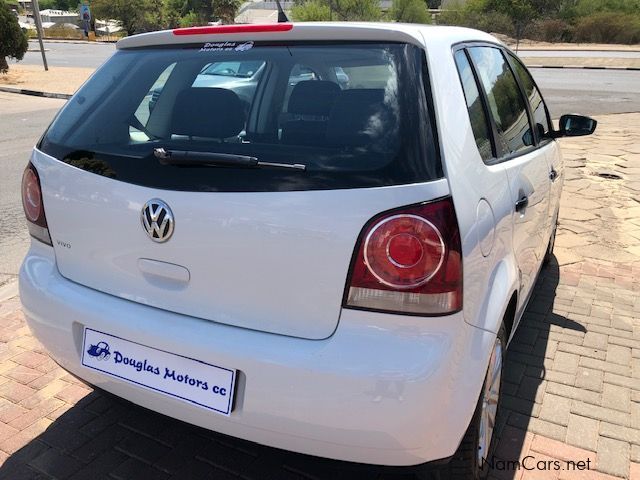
x: 470, y: 462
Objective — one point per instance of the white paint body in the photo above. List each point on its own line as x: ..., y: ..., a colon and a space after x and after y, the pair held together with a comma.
x: 312, y: 377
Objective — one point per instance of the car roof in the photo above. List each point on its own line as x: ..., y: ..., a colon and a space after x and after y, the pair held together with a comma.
x: 421, y: 35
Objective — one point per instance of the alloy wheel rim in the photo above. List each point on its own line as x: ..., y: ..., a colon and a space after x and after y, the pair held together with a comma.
x: 490, y: 395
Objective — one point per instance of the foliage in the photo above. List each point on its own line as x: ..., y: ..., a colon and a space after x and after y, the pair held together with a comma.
x: 13, y: 41
x: 409, y: 11
x: 608, y: 27
x: 68, y: 5
x: 551, y: 30
x: 609, y: 21
x: 341, y: 10
x: 311, y: 11
x: 475, y: 15
x: 225, y: 10
x: 136, y: 16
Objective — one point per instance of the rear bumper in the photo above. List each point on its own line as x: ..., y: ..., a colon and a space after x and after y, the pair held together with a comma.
x: 384, y: 389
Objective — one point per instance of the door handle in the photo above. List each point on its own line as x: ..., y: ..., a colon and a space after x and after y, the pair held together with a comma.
x: 553, y: 175
x: 522, y: 203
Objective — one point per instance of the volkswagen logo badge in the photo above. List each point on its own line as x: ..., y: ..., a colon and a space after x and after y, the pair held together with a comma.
x: 157, y: 220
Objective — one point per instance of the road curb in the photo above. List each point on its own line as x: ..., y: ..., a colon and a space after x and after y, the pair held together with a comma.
x: 35, y: 93
x: 585, y: 67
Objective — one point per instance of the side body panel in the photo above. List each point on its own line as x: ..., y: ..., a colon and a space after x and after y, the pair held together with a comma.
x: 482, y: 198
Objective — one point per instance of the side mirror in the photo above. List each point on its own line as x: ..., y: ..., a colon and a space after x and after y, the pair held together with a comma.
x: 572, y: 125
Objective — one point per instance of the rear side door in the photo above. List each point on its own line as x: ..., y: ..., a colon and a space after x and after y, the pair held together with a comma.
x: 525, y: 164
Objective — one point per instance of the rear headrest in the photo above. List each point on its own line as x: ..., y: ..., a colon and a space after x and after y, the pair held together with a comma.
x: 313, y: 97
x: 207, y: 112
x: 358, y: 116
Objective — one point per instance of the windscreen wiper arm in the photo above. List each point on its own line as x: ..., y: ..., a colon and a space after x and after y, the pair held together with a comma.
x: 189, y: 159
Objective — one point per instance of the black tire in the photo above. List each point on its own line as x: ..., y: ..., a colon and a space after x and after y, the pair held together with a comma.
x: 464, y: 464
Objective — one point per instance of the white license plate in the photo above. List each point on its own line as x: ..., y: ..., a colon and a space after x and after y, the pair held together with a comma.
x: 188, y: 379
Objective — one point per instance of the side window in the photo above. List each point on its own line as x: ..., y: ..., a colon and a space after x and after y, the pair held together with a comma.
x: 538, y: 108
x: 479, y: 121
x: 505, y: 101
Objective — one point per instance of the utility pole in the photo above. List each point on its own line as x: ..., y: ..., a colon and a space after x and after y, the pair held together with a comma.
x: 36, y: 17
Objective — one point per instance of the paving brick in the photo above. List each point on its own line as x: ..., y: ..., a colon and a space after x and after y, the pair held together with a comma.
x: 555, y: 409
x: 574, y: 393
x: 566, y: 362
x: 22, y: 374
x: 72, y: 393
x: 53, y: 463
x: 108, y: 461
x: 30, y: 359
x: 635, y: 453
x: 548, y: 429
x: 634, y: 471
x: 133, y: 468
x: 626, y: 434
x: 11, y: 411
x: 582, y: 351
x: 587, y: 474
x: 582, y: 432
x: 142, y: 448
x: 619, y: 354
x: 560, y: 377
x: 635, y: 415
x: 15, y: 442
x: 595, y: 340
x: 623, y: 381
x: 15, y: 392
x: 94, y: 447
x: 613, y: 457
x: 559, y: 450
x: 35, y: 414
x: 600, y: 413
x: 616, y: 397
x: 589, y: 379
x: 624, y: 370
x: 622, y: 323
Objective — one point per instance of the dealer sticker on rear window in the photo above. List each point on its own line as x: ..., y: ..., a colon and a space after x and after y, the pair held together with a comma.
x: 188, y: 379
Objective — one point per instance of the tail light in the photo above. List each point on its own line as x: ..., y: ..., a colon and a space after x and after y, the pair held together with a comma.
x: 409, y: 260
x: 32, y: 205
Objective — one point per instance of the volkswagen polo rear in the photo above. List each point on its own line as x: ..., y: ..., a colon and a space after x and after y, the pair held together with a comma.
x: 276, y: 259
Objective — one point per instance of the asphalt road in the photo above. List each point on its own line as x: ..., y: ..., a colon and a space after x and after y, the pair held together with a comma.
x: 59, y: 54
x: 24, y: 118
x: 590, y: 92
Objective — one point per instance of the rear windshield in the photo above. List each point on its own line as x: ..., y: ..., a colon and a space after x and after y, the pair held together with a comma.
x: 355, y: 115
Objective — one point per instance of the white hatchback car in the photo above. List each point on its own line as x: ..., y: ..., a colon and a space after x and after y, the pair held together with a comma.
x: 329, y: 267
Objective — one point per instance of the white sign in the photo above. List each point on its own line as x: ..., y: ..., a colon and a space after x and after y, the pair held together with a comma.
x: 188, y: 379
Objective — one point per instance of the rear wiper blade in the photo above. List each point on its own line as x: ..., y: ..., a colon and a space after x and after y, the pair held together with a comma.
x: 188, y: 158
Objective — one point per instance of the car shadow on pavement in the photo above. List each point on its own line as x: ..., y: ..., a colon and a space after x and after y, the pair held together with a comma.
x: 105, y: 437
x: 529, y: 357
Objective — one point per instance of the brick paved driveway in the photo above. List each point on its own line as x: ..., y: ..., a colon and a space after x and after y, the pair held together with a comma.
x: 572, y: 389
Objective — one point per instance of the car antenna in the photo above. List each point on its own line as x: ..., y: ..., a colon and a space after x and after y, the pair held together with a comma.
x: 282, y: 17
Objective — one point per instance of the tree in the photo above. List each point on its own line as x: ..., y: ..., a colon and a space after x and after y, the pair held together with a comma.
x: 409, y: 11
x: 342, y: 10
x: 522, y: 13
x: 136, y: 16
x: 225, y: 10
x: 13, y: 41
